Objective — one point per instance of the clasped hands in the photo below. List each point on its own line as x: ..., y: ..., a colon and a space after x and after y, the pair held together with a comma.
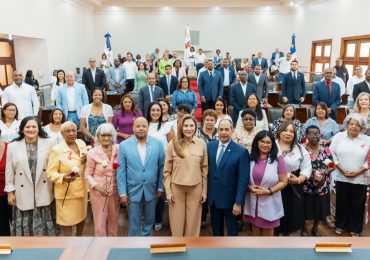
x: 258, y: 190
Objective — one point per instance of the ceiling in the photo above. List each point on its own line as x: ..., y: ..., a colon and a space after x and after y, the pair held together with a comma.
x: 194, y: 6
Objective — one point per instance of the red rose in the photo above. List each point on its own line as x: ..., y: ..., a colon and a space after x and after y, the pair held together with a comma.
x: 92, y: 143
x: 303, y: 140
x: 331, y: 165
x: 327, y: 150
x: 115, y: 165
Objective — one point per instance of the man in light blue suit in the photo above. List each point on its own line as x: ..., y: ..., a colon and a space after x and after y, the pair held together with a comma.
x: 117, y: 77
x: 261, y: 61
x: 210, y: 86
x: 139, y: 177
x: 228, y: 178
x: 71, y: 97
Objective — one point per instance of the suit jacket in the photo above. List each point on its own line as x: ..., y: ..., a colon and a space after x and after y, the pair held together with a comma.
x: 237, y: 98
x: 144, y: 98
x: 163, y: 84
x: 210, y: 88
x: 332, y: 99
x: 294, y: 89
x: 273, y: 57
x: 136, y: 179
x: 360, y: 87
x: 232, y: 76
x: 264, y: 65
x: 227, y: 182
x: 18, y: 177
x: 122, y: 78
x: 87, y: 80
x: 81, y: 98
x: 262, y: 86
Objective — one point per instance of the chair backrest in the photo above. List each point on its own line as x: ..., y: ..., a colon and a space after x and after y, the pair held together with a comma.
x: 341, y: 114
x: 309, y: 86
x: 316, y: 77
x: 275, y: 113
x: 308, y: 99
x: 344, y: 100
x: 273, y: 98
x: 301, y: 114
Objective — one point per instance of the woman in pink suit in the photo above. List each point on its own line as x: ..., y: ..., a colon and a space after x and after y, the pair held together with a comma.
x: 101, y: 175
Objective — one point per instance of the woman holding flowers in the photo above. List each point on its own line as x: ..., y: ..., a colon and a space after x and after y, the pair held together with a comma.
x: 66, y: 169
x: 317, y: 187
x: 101, y: 175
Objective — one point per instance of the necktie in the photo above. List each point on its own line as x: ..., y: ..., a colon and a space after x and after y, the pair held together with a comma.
x: 221, y: 154
x: 295, y: 75
x: 152, y: 92
x: 177, y: 73
x: 169, y: 84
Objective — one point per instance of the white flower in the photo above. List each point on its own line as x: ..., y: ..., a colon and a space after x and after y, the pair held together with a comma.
x: 104, y: 164
x: 75, y: 169
x: 88, y: 148
x: 327, y: 161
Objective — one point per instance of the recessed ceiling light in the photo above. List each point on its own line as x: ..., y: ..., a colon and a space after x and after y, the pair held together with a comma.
x: 268, y: 7
x: 165, y: 8
x: 217, y: 8
x: 291, y: 4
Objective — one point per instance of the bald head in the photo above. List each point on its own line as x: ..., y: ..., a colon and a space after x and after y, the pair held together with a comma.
x: 328, y: 73
x: 151, y: 79
x: 17, y: 77
x: 140, y: 128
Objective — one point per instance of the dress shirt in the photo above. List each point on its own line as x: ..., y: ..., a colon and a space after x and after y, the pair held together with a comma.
x: 71, y: 95
x: 351, y: 83
x: 219, y: 148
x: 117, y: 74
x: 244, y: 87
x: 24, y: 97
x: 257, y: 77
x: 93, y: 71
x: 168, y: 79
x: 200, y: 58
x: 151, y: 92
x: 226, y: 77
x: 130, y: 68
x: 277, y: 55
x: 141, y: 147
x: 294, y: 74
x: 341, y: 84
x: 284, y: 65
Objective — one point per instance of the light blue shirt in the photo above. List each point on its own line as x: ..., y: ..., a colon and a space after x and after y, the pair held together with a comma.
x: 328, y: 129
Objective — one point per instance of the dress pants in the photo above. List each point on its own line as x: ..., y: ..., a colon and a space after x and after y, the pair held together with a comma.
x: 72, y: 116
x: 217, y: 221
x: 350, y: 206
x: 141, y: 216
x: 198, y: 66
x: 186, y: 212
x: 105, y: 215
x: 210, y: 104
x: 5, y: 216
x: 159, y: 208
x: 130, y: 84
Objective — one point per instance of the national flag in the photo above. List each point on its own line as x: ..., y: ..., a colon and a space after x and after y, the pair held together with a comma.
x: 187, y: 45
x: 108, y: 48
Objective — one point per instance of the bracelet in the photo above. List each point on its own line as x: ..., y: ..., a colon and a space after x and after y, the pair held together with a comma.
x: 270, y: 191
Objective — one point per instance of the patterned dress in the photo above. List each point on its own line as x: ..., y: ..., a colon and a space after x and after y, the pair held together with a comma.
x: 297, y: 123
x: 40, y: 221
x: 94, y: 123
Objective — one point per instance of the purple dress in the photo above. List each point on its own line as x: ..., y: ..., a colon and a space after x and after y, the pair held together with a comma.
x: 124, y: 123
x: 258, y: 172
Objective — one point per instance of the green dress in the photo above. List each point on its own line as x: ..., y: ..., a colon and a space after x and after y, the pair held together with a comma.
x: 141, y: 79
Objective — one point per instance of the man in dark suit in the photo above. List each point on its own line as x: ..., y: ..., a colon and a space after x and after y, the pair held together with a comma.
x: 228, y: 76
x: 276, y: 55
x: 260, y: 80
x: 228, y: 178
x: 149, y: 94
x: 239, y: 93
x: 363, y: 86
x: 261, y: 61
x: 93, y: 78
x: 168, y: 83
x: 210, y: 86
x: 294, y: 86
x: 327, y: 91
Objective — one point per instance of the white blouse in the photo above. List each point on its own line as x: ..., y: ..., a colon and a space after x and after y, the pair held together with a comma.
x: 9, y: 133
x: 162, y: 133
x: 56, y: 135
x: 295, y: 160
x: 351, y: 155
x: 261, y: 124
x: 86, y: 111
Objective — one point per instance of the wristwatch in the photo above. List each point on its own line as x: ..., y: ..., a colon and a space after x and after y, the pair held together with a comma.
x: 270, y: 191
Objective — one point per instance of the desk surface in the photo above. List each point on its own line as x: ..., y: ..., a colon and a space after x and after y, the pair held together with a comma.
x: 98, y: 247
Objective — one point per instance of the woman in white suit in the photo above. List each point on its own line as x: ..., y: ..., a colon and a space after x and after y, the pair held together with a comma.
x: 29, y: 191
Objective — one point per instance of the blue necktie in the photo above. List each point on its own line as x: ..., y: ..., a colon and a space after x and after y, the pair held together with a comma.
x: 152, y: 91
x: 221, y: 154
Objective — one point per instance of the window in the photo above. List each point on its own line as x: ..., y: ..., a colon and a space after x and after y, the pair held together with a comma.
x: 320, y: 56
x: 355, y: 51
x: 7, y: 62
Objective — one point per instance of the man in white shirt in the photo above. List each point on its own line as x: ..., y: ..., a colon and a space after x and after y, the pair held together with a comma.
x: 357, y: 78
x: 284, y: 65
x: 200, y: 57
x: 130, y: 69
x: 23, y: 96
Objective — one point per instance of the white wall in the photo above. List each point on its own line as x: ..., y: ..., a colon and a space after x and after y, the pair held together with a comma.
x: 332, y: 19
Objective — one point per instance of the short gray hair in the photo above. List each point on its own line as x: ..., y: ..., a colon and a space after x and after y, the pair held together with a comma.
x: 356, y: 116
x: 66, y: 125
x: 227, y: 120
x: 106, y: 128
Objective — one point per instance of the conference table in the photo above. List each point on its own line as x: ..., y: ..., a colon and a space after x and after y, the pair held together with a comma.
x: 214, y: 248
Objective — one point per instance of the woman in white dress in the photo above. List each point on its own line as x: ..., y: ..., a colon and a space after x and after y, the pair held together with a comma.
x: 57, y: 118
x: 192, y: 71
x: 61, y: 79
x: 9, y: 124
x: 221, y: 111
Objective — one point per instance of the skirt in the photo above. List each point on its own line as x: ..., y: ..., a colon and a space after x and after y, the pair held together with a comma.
x: 72, y: 212
x: 317, y: 207
x: 39, y: 221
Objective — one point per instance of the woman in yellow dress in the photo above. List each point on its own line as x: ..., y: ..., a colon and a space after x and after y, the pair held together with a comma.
x: 66, y: 169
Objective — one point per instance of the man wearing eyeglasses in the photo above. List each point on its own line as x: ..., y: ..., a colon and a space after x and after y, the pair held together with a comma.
x: 93, y: 78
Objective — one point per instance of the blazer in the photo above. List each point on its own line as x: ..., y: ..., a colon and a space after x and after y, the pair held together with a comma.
x: 136, y: 179
x: 81, y: 98
x: 237, y: 98
x: 262, y: 86
x: 18, y: 176
x: 164, y: 86
x: 321, y: 94
x: 210, y: 88
x: 87, y: 80
x: 264, y: 65
x: 273, y: 57
x: 294, y: 89
x: 232, y: 76
x: 144, y: 98
x: 360, y: 87
x: 122, y: 77
x: 61, y: 162
x: 227, y: 182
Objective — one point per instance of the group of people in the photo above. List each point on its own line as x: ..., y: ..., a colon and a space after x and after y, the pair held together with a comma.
x: 274, y: 176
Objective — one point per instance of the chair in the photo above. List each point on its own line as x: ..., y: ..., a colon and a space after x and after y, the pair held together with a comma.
x: 273, y: 98
x: 44, y: 115
x: 270, y: 86
x: 275, y: 113
x: 267, y: 113
x: 113, y: 99
x: 309, y: 86
x: 308, y: 99
x: 341, y: 115
x: 301, y: 114
x: 344, y: 100
x: 316, y: 77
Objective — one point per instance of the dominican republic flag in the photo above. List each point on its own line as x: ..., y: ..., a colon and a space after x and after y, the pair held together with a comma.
x: 293, y: 50
x: 187, y: 45
x: 108, y: 48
